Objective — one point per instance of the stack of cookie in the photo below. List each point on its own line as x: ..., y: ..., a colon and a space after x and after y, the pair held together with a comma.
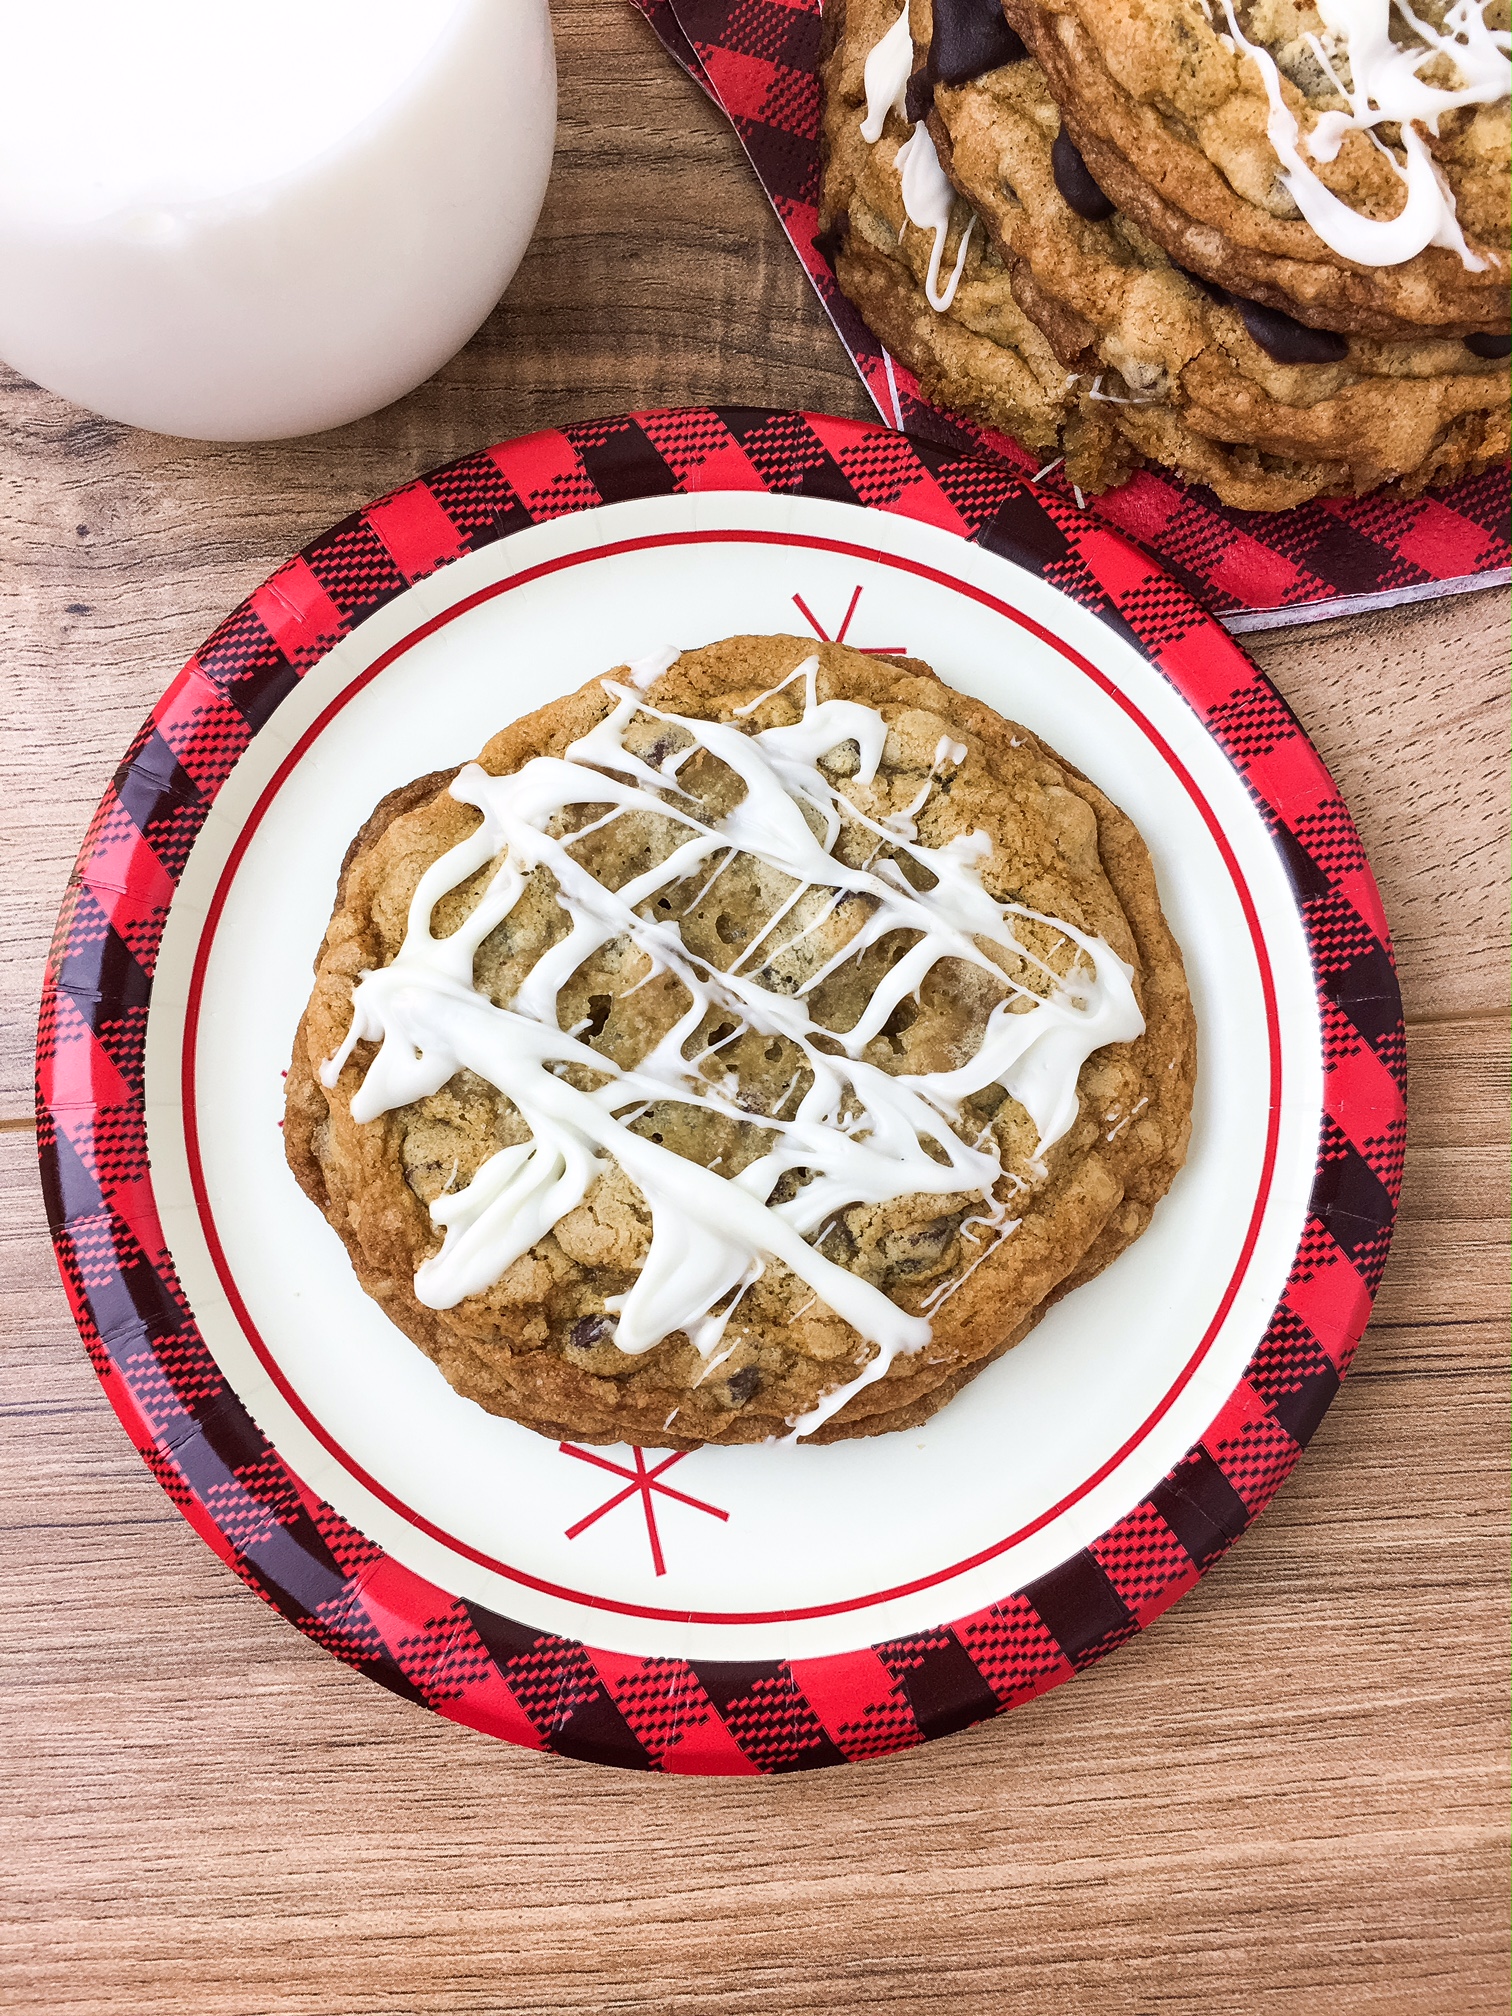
x: 1263, y: 243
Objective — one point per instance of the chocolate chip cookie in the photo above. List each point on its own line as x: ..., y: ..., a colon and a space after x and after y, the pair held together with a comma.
x: 750, y: 1045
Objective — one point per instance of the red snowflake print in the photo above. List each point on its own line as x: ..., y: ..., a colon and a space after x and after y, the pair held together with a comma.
x: 869, y: 650
x: 644, y: 1482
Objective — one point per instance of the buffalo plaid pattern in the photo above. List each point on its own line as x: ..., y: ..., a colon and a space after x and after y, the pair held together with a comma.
x: 338, y: 1587
x: 757, y: 60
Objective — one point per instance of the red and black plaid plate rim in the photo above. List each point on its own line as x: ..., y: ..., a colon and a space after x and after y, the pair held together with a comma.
x: 475, y: 1665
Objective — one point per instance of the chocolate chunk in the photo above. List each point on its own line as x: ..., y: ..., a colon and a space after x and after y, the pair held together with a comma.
x: 970, y: 37
x: 919, y: 97
x: 591, y: 1330
x: 830, y: 242
x: 1280, y: 336
x: 1486, y: 344
x: 1289, y: 341
x: 1075, y: 183
x: 742, y: 1384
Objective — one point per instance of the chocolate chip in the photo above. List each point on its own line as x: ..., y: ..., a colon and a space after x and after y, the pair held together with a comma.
x: 742, y: 1384
x: 1485, y: 343
x: 830, y: 242
x: 1288, y: 340
x: 970, y: 37
x: 591, y: 1330
x: 919, y: 97
x: 1075, y: 182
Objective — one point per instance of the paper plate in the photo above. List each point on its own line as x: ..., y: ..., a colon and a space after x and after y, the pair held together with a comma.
x: 728, y: 1610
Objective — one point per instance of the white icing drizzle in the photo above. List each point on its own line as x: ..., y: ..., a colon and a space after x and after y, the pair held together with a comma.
x: 928, y: 195
x: 644, y: 672
x: 866, y: 1135
x: 886, y: 78
x: 1384, y: 88
x: 928, y: 198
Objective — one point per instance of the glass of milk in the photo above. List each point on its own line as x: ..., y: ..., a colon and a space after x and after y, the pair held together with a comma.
x: 247, y: 219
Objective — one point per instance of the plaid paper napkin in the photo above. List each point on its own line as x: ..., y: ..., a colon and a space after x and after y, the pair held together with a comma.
x: 757, y: 60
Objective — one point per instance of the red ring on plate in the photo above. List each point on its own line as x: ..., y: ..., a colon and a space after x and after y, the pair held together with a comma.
x: 472, y: 1664
x: 227, y: 1278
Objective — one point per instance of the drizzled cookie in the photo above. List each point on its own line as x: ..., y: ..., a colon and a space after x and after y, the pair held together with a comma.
x: 749, y: 1046
x: 1252, y: 393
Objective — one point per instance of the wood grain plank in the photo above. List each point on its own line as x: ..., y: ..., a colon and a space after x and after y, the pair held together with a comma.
x: 1409, y: 712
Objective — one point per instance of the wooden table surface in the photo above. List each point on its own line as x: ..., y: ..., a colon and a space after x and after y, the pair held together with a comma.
x: 1287, y: 1796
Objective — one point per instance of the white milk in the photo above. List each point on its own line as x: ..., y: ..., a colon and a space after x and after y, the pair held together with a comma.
x: 244, y: 219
